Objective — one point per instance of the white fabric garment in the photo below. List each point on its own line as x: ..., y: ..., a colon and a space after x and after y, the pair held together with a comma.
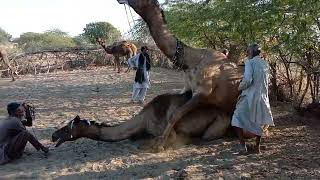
x: 133, y: 62
x: 139, y: 94
x: 253, y: 104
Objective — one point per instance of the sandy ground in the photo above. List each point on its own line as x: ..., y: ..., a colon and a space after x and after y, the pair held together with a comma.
x: 292, y: 147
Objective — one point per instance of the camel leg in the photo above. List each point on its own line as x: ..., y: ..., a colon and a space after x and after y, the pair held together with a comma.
x: 128, y: 69
x: 151, y: 143
x: 218, y: 127
x: 175, y: 117
x: 114, y: 63
x: 117, y: 63
x: 120, y: 65
x: 12, y: 76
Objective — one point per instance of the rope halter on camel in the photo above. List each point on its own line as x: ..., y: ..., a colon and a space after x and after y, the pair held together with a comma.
x: 72, y: 123
x: 178, y: 59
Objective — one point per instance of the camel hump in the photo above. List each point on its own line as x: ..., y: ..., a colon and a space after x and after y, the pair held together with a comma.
x: 122, y: 43
x: 131, y: 46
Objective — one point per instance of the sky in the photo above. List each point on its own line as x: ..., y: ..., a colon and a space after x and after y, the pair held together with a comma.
x: 71, y: 16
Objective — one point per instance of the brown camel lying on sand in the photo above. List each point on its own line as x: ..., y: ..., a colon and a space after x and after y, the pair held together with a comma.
x: 204, y: 122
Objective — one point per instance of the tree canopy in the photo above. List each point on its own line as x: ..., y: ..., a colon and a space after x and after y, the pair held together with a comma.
x: 4, y: 36
x: 51, y: 39
x: 288, y: 30
x: 102, y: 30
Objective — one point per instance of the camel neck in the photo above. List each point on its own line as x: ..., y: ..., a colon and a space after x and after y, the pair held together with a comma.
x: 93, y: 132
x: 152, y: 14
x: 115, y: 133
x: 105, y: 48
x: 174, y: 49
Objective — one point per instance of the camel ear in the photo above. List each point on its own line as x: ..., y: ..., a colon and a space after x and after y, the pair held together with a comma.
x: 77, y: 118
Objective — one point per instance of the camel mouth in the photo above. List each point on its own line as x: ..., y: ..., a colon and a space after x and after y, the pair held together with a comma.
x: 54, y: 138
x: 59, y: 142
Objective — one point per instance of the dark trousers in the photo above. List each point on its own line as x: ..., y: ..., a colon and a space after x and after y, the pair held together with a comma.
x: 19, y: 142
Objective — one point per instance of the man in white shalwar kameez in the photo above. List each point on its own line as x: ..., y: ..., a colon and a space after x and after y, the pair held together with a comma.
x: 253, y: 107
x: 142, y: 63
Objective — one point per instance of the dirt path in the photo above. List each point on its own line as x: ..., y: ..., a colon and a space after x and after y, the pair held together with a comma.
x: 292, y: 153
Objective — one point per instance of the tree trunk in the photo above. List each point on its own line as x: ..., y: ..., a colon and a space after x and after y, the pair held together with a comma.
x: 274, y: 87
x: 304, y: 92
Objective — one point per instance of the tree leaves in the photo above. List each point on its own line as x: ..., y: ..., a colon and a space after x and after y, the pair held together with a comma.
x: 4, y: 36
x: 102, y: 30
x: 49, y: 40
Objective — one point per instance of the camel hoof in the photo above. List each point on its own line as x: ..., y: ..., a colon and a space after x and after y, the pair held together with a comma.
x: 158, y: 146
x: 157, y: 149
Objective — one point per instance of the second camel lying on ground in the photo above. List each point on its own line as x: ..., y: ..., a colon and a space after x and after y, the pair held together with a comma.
x: 204, y: 122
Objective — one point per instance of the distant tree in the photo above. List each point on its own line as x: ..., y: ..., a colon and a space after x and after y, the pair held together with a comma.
x: 103, y: 30
x: 56, y: 31
x: 57, y: 39
x: 51, y: 39
x: 4, y: 36
x: 82, y: 41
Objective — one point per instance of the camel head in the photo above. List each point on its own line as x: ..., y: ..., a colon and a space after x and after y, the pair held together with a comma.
x: 100, y: 41
x: 74, y: 130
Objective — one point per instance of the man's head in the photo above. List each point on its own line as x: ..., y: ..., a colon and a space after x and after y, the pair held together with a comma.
x: 16, y: 110
x: 253, y: 50
x: 144, y: 49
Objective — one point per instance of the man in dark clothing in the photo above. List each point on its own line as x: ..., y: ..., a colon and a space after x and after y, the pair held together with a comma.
x: 142, y: 65
x: 13, y: 134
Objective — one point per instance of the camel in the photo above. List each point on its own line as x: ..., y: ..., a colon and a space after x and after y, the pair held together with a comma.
x: 203, y: 68
x: 203, y: 122
x: 119, y: 49
x: 4, y: 57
